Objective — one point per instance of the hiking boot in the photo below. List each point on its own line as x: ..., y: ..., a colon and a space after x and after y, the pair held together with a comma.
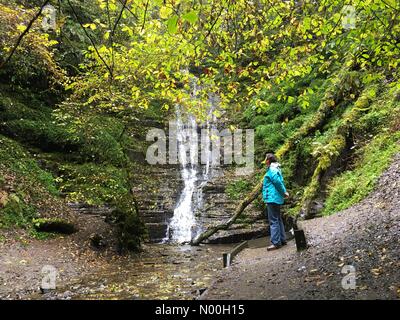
x: 273, y: 247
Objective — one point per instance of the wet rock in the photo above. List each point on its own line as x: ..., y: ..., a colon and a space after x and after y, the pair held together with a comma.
x: 83, y: 208
x: 66, y: 295
x: 157, y: 231
x: 137, y: 156
x: 214, y: 188
x: 46, y: 290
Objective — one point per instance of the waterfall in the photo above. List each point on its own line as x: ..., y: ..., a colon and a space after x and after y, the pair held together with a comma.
x: 183, y: 225
x: 183, y: 219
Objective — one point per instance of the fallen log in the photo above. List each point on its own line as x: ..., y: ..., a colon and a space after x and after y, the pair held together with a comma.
x: 224, y: 226
x: 332, y: 151
x: 333, y: 96
x: 227, y: 257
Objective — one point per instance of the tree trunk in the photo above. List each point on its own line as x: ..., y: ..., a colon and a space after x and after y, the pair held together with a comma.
x: 334, y: 149
x: 342, y: 85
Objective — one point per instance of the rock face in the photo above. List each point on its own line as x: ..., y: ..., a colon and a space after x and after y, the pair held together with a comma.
x: 157, y: 192
x: 158, y: 189
x: 83, y: 208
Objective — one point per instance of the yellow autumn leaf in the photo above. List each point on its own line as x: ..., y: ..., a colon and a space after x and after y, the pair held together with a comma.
x: 92, y: 26
x: 21, y: 28
x: 165, y: 12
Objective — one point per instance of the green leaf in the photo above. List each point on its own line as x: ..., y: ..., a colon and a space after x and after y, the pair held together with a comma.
x: 290, y: 99
x: 173, y: 24
x: 21, y: 28
x: 190, y: 17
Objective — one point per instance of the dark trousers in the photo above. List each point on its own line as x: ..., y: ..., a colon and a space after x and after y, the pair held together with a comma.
x: 276, y: 224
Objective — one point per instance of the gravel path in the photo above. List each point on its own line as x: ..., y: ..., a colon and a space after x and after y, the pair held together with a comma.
x: 363, y: 238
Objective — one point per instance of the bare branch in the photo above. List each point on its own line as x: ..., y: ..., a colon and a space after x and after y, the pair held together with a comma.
x: 24, y: 33
x: 145, y: 13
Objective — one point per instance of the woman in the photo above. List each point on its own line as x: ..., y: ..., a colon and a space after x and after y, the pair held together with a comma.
x: 274, y: 192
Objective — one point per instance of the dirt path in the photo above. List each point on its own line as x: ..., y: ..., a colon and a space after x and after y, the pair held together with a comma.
x: 365, y: 237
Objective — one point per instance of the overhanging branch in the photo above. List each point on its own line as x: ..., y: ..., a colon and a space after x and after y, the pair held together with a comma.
x: 24, y: 33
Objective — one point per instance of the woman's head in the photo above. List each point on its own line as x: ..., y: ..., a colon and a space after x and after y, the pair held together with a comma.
x: 270, y: 158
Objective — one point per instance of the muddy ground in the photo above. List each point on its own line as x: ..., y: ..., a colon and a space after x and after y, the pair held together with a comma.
x: 160, y: 271
x: 364, y: 238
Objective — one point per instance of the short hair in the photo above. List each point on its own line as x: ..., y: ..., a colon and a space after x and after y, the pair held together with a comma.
x: 271, y: 157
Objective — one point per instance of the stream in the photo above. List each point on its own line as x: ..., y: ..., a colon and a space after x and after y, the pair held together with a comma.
x: 161, y: 271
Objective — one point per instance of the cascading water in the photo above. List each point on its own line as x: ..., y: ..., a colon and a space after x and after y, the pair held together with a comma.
x: 195, y: 176
x: 183, y: 219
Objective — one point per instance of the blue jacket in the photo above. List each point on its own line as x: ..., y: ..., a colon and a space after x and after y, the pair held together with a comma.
x: 273, y: 190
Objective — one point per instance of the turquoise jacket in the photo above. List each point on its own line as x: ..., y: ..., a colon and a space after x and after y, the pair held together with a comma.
x: 273, y: 190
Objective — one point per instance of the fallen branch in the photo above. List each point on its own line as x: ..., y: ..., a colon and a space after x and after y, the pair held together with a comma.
x: 239, y: 210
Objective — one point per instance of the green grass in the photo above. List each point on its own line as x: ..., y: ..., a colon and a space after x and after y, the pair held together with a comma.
x: 42, y: 235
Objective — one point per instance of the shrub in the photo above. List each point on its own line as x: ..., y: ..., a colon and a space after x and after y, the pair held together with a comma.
x: 16, y: 213
x: 13, y: 157
x: 93, y: 184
